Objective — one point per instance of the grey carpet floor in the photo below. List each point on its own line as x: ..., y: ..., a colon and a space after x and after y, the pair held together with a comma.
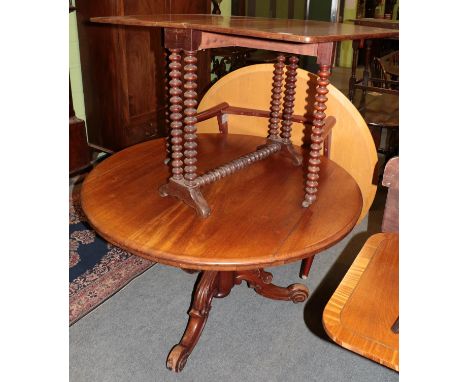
x: 247, y: 337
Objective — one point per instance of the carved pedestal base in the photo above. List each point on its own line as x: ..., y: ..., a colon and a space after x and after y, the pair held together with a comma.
x: 218, y: 284
x: 190, y: 195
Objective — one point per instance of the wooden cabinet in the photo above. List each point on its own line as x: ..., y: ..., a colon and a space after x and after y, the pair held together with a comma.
x: 123, y: 70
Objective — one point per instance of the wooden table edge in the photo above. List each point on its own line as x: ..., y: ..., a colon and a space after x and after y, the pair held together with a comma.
x: 331, y: 324
x: 254, y: 263
x: 253, y: 33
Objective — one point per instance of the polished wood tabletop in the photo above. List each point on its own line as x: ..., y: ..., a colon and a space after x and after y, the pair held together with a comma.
x: 291, y: 30
x: 257, y: 218
x: 362, y: 311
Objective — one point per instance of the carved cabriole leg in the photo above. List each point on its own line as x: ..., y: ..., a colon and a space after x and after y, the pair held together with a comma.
x: 273, y: 134
x: 190, y: 120
x: 260, y: 281
x: 319, y: 115
x: 276, y: 90
x: 205, y: 290
x: 218, y: 284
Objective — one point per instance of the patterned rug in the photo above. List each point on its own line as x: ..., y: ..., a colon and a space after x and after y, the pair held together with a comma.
x: 97, y: 269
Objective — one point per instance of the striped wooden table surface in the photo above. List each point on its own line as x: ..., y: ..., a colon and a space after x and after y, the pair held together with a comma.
x: 361, y: 312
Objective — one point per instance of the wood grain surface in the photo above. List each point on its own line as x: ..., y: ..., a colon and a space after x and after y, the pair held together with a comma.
x: 361, y: 312
x: 352, y: 146
x: 256, y: 221
x: 292, y: 30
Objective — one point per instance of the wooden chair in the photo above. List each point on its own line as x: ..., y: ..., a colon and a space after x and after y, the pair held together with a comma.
x: 362, y: 314
x: 351, y: 145
x: 379, y: 102
x: 385, y: 71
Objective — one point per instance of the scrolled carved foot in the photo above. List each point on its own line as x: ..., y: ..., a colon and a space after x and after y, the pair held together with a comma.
x: 177, y: 358
x: 298, y: 293
x: 206, y: 288
x: 260, y: 281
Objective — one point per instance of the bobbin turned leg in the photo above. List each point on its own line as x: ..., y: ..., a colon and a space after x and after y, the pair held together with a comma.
x: 274, y: 135
x: 190, y: 120
x: 275, y: 103
x: 183, y: 184
x: 319, y: 115
x: 174, y: 140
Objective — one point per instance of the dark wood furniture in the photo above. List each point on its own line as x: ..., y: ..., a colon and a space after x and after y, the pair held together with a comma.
x: 123, y: 71
x: 262, y: 202
x: 350, y: 144
x: 379, y: 85
x: 189, y: 33
x: 121, y: 202
x: 79, y: 154
x: 366, y: 44
x: 362, y: 315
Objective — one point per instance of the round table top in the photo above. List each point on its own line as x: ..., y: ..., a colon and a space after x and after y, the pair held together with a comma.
x: 256, y: 219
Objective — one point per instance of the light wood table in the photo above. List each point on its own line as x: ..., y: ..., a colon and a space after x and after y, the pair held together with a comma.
x: 121, y: 202
x: 363, y: 309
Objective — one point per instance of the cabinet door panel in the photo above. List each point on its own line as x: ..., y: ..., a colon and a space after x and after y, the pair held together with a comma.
x: 101, y: 60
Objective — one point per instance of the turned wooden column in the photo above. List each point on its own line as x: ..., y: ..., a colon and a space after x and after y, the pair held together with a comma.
x: 190, y: 120
x: 289, y: 93
x: 276, y: 95
x: 317, y: 129
x: 175, y: 92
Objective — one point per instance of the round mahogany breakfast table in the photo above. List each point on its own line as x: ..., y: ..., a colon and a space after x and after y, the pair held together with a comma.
x: 256, y: 221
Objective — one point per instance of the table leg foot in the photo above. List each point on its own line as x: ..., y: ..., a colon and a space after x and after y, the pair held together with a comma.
x: 177, y: 358
x: 205, y: 290
x: 190, y: 195
x: 287, y: 148
x: 305, y: 267
x: 260, y: 281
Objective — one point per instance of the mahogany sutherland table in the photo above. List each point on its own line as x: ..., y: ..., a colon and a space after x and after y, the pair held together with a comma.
x: 121, y: 202
x: 189, y: 33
